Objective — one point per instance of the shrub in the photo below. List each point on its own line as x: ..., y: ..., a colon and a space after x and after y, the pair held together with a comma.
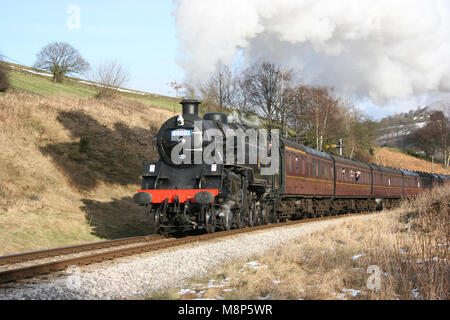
x: 4, y: 79
x: 84, y: 145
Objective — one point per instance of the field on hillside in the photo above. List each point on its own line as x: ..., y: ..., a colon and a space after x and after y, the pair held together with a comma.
x: 36, y: 81
x: 69, y: 167
x: 395, y: 159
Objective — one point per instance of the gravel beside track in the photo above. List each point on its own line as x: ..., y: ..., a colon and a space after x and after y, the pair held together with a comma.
x: 71, y: 255
x: 140, y: 275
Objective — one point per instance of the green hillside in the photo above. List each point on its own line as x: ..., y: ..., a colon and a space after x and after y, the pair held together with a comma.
x: 25, y: 79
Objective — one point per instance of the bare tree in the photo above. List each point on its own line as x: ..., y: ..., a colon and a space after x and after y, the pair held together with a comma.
x: 176, y: 86
x: 240, y: 98
x: 261, y: 82
x: 218, y: 90
x: 435, y: 136
x: 311, y: 111
x: 61, y: 59
x: 285, y: 99
x: 111, y: 75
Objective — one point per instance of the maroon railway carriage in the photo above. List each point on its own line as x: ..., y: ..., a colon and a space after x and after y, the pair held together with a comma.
x: 329, y: 183
x: 307, y: 171
x: 387, y: 182
x: 353, y: 178
x: 411, y: 183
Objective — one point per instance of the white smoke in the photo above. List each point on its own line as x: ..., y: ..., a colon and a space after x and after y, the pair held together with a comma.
x: 247, y: 120
x: 380, y: 49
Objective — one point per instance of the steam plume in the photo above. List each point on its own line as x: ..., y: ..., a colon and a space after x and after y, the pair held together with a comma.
x: 380, y: 49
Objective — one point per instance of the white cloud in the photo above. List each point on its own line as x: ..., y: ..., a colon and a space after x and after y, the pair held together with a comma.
x: 377, y: 49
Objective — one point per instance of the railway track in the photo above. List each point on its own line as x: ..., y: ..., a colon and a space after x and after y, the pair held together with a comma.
x: 119, y: 248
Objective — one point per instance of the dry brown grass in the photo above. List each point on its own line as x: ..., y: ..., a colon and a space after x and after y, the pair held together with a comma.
x: 409, y: 245
x: 52, y: 192
x: 387, y: 157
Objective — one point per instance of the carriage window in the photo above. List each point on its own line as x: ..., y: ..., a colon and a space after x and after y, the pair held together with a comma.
x: 303, y: 165
x: 357, y: 175
x: 291, y: 160
x: 313, y: 167
x: 319, y: 165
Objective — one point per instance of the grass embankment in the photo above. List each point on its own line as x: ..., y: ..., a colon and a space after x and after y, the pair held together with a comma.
x: 408, y: 247
x: 36, y: 83
x: 396, y: 159
x: 69, y: 167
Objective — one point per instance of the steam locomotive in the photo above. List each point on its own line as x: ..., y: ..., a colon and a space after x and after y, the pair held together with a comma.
x: 184, y: 191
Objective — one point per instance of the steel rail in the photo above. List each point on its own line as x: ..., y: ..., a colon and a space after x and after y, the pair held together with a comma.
x: 28, y: 256
x: 55, y: 266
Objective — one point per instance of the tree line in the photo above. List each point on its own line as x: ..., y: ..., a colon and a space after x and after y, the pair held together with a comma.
x: 314, y: 116
x: 433, y: 139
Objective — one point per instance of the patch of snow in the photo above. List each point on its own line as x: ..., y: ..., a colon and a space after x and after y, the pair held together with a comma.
x: 275, y: 282
x: 185, y: 291
x: 358, y: 256
x: 212, y: 285
x: 415, y: 293
x: 35, y: 72
x: 252, y: 264
x: 352, y: 292
x: 226, y: 280
x: 118, y: 89
x: 339, y: 295
x: 264, y: 298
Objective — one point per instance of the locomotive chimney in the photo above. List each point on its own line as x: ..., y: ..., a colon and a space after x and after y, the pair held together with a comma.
x: 190, y: 106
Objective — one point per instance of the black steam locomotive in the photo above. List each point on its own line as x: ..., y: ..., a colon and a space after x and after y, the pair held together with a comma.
x: 184, y: 191
x: 184, y: 194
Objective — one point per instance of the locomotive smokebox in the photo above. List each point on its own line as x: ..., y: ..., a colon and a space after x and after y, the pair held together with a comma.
x: 190, y: 106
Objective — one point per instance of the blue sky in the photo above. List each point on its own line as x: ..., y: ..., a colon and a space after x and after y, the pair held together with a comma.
x: 139, y: 34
